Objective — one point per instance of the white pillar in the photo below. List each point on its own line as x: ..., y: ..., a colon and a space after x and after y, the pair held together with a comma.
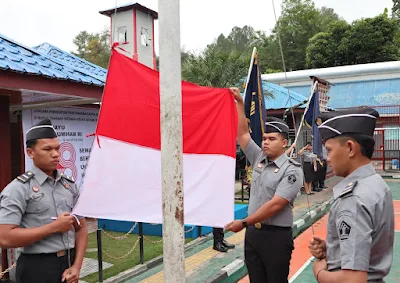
x: 171, y: 141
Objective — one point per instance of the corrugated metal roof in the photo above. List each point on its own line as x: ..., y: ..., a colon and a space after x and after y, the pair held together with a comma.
x: 332, y: 73
x: 280, y: 99
x: 19, y: 58
x: 63, y: 57
x: 50, y: 61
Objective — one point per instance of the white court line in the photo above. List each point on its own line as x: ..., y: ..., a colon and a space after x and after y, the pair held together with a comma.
x: 300, y: 270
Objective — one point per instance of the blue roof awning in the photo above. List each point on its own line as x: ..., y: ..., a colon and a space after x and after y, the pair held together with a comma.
x: 22, y: 59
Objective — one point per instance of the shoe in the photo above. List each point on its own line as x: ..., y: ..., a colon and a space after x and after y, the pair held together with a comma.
x: 220, y: 247
x: 227, y: 245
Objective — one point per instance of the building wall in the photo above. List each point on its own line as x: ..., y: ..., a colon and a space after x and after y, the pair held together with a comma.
x: 145, y: 21
x: 124, y: 19
x: 5, y: 142
x: 359, y: 93
x: 17, y: 146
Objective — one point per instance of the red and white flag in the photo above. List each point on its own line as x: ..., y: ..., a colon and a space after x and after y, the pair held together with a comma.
x: 123, y: 177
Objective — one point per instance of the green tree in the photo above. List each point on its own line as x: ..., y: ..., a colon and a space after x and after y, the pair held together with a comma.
x: 319, y: 52
x: 226, y: 61
x: 301, y: 20
x: 215, y: 67
x: 365, y: 41
x: 372, y: 40
x: 93, y: 47
x: 326, y: 49
x: 269, y: 54
x: 327, y: 17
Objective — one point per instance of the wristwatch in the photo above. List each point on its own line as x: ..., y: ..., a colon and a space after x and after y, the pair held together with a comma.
x: 244, y: 223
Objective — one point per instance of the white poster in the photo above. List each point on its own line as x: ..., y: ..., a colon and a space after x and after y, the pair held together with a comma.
x: 72, y: 125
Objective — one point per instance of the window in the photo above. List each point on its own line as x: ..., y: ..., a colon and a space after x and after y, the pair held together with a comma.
x: 144, y: 37
x: 122, y: 35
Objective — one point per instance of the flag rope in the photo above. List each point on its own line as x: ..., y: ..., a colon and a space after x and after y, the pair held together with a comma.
x: 284, y: 65
x: 290, y: 99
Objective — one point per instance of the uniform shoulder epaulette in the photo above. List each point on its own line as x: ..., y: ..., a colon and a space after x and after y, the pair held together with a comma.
x: 68, y: 178
x: 25, y: 177
x: 294, y: 162
x: 349, y: 189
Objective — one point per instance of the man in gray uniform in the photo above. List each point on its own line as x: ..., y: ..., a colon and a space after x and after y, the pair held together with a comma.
x: 359, y: 245
x: 276, y: 181
x: 35, y: 214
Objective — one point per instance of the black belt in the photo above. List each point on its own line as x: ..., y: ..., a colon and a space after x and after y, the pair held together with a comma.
x: 57, y: 254
x: 265, y: 227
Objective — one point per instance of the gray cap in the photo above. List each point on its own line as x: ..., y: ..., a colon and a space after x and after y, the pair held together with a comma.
x: 354, y: 121
x: 42, y: 130
x: 276, y: 125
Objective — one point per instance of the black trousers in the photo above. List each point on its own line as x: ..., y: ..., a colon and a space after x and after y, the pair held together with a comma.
x: 268, y: 254
x: 42, y: 268
x: 218, y: 234
x: 320, y: 175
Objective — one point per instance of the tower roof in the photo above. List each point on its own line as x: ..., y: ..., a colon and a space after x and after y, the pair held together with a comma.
x: 127, y: 7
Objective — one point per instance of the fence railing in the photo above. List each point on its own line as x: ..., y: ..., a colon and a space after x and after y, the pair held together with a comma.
x: 387, y: 149
x: 139, y: 242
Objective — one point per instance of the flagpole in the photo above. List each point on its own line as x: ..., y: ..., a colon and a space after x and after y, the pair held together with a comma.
x: 250, y: 68
x: 248, y: 168
x: 171, y: 141
x: 302, y: 118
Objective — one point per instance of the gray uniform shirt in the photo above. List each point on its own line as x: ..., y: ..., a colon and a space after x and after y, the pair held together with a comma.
x: 324, y: 153
x: 308, y: 156
x: 361, y: 225
x: 33, y: 203
x: 282, y: 177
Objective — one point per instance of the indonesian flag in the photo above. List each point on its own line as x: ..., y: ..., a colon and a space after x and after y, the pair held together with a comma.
x: 123, y: 176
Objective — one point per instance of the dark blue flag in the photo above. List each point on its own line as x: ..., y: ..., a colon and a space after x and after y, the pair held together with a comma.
x: 254, y: 104
x: 309, y: 118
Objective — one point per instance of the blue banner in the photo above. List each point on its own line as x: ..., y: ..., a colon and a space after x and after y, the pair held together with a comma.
x: 254, y: 104
x: 309, y: 118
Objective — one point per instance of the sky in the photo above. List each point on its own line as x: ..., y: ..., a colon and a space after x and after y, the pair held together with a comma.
x: 58, y: 22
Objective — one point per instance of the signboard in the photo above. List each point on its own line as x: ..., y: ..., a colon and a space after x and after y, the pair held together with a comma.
x: 72, y: 125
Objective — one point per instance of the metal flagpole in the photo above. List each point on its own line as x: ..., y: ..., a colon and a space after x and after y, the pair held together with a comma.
x: 249, y: 168
x: 171, y: 141
x: 250, y: 68
x: 302, y: 118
